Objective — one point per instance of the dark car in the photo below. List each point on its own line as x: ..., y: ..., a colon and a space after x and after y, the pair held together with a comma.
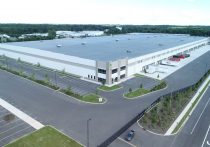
x: 130, y: 135
x: 187, y: 55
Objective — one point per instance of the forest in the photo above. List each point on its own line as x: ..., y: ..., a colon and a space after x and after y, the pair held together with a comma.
x: 15, y: 30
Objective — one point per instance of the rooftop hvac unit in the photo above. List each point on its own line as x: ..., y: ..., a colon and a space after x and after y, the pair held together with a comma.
x: 128, y: 51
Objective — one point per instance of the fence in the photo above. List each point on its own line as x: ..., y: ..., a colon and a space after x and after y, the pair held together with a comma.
x: 138, y: 116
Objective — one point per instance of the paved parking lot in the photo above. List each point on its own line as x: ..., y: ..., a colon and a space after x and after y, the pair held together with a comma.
x: 11, y: 127
x: 78, y: 86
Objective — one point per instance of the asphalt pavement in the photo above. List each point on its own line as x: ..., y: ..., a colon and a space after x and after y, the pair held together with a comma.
x: 196, y: 133
x: 11, y: 127
x: 70, y: 116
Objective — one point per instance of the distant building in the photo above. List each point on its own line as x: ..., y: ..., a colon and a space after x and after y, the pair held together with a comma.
x: 33, y: 34
x: 73, y: 34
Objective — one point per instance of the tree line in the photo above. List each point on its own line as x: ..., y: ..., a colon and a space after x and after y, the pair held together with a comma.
x: 15, y: 30
x: 192, y: 30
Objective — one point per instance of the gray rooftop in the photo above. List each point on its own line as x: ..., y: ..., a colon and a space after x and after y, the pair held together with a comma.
x: 109, y: 48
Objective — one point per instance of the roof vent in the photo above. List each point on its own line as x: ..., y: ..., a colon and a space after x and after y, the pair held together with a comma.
x: 59, y: 45
x: 117, y: 40
x: 128, y: 51
x: 83, y: 43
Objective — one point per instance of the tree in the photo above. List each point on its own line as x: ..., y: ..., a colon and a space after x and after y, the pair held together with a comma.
x: 96, y: 91
x: 47, y: 79
x: 38, y: 64
x: 103, y: 82
x: 51, y: 34
x: 140, y: 86
x: 33, y: 76
x: 19, y: 60
x: 63, y: 71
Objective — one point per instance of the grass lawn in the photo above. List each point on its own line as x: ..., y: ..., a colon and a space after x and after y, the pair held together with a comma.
x: 138, y: 75
x: 137, y: 93
x: 45, y: 137
x: 91, y: 98
x: 106, y: 88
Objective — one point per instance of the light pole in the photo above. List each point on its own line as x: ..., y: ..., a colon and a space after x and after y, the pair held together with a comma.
x: 88, y: 131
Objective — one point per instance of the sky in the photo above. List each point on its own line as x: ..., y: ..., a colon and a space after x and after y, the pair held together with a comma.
x: 136, y: 12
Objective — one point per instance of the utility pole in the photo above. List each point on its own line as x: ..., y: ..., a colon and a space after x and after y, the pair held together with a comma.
x: 88, y: 131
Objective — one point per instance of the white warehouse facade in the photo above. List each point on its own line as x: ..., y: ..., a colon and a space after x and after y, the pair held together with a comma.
x: 108, y: 59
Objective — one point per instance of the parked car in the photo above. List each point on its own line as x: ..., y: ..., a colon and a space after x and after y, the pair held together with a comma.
x: 176, y: 56
x: 187, y: 55
x: 175, y: 59
x: 130, y: 135
x: 181, y: 56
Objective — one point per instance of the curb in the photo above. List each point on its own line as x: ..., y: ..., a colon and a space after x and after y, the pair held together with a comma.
x: 149, y: 130
x: 105, y: 100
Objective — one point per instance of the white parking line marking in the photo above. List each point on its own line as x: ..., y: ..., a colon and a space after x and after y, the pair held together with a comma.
x: 2, y: 110
x: 20, y: 124
x: 6, y: 113
x: 9, y: 123
x: 205, y: 136
x: 200, y: 117
x: 29, y: 120
x: 208, y: 143
x: 126, y: 142
x: 14, y: 133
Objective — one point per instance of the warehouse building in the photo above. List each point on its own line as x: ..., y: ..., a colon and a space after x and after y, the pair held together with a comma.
x: 109, y: 59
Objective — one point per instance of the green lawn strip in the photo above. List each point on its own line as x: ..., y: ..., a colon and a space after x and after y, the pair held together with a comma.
x: 138, y: 75
x: 136, y: 93
x: 190, y: 109
x: 112, y: 88
x: 142, y: 91
x: 92, y: 98
x: 45, y: 137
x: 161, y: 85
x: 21, y: 74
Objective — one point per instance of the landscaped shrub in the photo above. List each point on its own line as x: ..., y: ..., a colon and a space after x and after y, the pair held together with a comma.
x: 162, y: 115
x: 69, y: 92
x: 161, y: 85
